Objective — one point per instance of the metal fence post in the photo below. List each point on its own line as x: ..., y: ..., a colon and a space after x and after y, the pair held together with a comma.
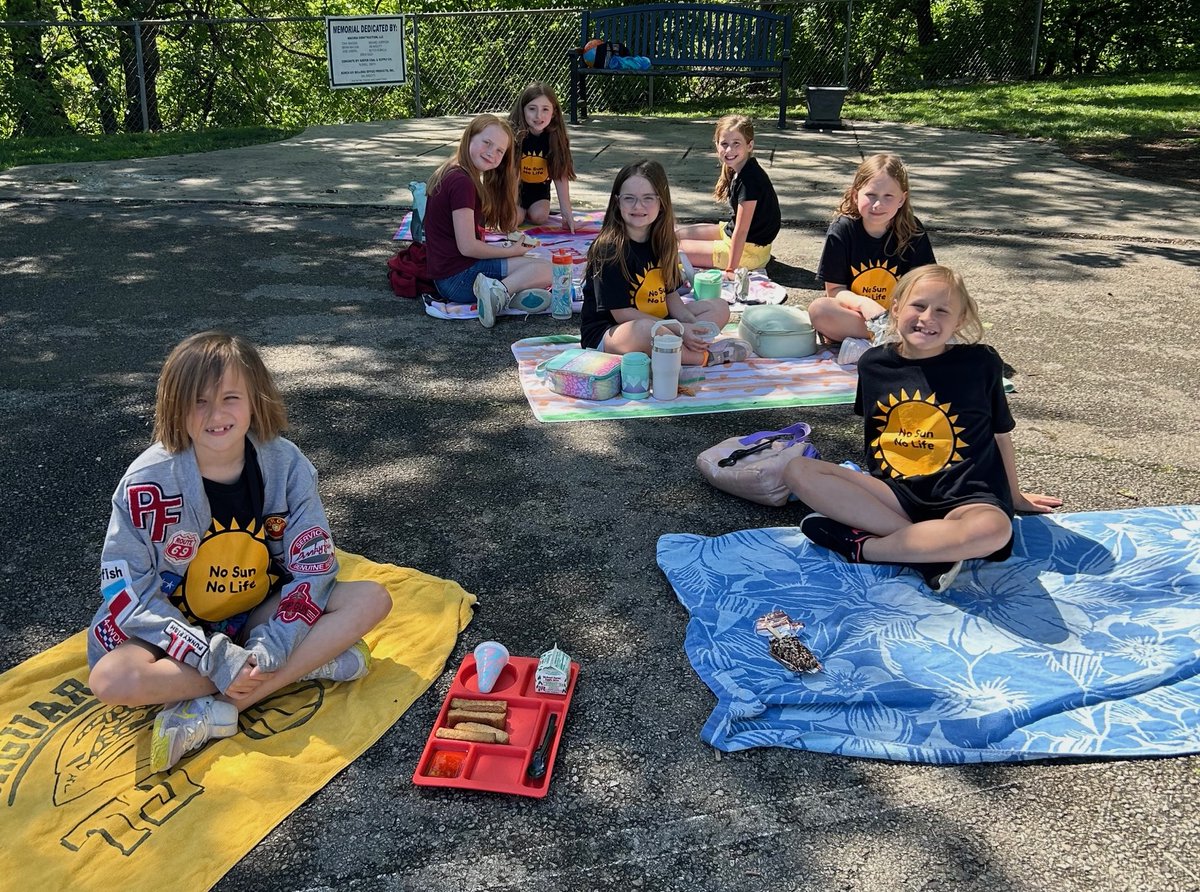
x: 846, y: 45
x: 1037, y: 33
x: 416, y: 66
x: 141, y: 70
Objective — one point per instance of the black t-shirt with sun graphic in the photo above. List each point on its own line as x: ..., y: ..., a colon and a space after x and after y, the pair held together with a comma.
x: 644, y: 292
x: 930, y: 427
x: 535, y: 168
x: 866, y: 265
x: 231, y: 572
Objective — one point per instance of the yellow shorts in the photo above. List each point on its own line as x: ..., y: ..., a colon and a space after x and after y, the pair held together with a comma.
x: 753, y: 256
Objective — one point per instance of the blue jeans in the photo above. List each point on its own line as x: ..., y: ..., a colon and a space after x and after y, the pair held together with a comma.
x: 458, y: 288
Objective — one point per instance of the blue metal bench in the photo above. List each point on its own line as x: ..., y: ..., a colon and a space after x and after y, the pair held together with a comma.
x: 689, y: 40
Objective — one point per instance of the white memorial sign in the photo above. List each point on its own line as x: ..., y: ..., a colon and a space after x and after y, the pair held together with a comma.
x: 365, y: 51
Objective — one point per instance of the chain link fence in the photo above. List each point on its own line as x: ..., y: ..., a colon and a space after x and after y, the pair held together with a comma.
x: 191, y: 74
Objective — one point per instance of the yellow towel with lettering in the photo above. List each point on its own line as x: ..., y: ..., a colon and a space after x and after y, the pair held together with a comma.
x: 81, y: 810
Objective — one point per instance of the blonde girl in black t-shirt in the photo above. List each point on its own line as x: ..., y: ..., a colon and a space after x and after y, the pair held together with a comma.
x: 942, y: 486
x: 745, y: 240
x: 632, y: 277
x: 537, y: 120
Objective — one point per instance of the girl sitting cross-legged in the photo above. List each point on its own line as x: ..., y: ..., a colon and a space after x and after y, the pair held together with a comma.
x: 942, y: 486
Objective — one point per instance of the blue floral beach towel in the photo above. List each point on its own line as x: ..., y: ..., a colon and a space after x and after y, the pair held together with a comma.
x: 1085, y: 643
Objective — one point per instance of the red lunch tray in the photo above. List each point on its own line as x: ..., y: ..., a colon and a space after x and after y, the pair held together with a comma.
x: 499, y: 767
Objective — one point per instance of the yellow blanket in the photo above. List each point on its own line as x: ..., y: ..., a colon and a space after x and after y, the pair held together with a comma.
x: 81, y: 811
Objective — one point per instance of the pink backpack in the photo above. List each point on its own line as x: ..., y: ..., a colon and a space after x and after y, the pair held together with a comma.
x: 752, y: 467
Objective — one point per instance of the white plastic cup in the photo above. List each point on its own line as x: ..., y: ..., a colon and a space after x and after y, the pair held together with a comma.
x: 852, y: 349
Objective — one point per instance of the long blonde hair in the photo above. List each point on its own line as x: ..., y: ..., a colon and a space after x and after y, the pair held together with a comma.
x: 903, y: 226
x: 196, y: 366
x: 745, y: 127
x: 497, y: 188
x: 970, y: 330
x: 613, y: 239
x: 559, y: 162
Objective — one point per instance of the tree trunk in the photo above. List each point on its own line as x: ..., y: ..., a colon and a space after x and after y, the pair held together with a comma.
x: 926, y: 38
x: 39, y: 106
x: 926, y: 30
x: 138, y: 11
x: 97, y: 71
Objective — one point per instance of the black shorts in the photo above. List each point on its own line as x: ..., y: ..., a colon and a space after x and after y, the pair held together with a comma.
x: 919, y: 510
x: 591, y: 337
x: 531, y: 193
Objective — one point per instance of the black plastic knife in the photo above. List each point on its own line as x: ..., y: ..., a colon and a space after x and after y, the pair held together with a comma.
x: 540, y: 761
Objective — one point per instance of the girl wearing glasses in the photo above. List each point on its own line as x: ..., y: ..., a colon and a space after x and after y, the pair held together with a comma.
x: 744, y: 241
x: 632, y: 276
x: 873, y: 240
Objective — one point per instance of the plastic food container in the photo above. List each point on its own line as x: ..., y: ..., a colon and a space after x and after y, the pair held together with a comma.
x: 707, y: 284
x: 497, y: 767
x: 778, y: 332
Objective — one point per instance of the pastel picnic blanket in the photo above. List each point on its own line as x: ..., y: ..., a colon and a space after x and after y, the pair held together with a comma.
x: 82, y: 812
x: 756, y: 384
x: 585, y: 222
x: 554, y: 238
x: 1085, y: 643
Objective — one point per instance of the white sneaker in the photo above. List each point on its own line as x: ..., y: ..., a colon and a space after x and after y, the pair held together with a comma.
x: 531, y: 300
x: 490, y: 298
x: 939, y: 576
x: 186, y: 726
x: 729, y: 350
x: 352, y: 663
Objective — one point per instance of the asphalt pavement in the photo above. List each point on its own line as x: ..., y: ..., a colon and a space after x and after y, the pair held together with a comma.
x: 430, y: 458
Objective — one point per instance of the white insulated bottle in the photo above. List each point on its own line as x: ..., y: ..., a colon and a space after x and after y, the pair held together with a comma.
x: 666, y: 358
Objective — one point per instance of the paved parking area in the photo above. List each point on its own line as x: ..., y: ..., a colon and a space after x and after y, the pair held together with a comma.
x: 430, y: 458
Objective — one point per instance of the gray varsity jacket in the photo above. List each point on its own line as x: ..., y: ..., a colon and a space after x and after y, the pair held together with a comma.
x: 159, y: 516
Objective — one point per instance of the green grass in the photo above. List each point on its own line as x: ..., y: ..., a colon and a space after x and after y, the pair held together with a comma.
x: 1092, y: 111
x: 1080, y: 110
x: 55, y: 149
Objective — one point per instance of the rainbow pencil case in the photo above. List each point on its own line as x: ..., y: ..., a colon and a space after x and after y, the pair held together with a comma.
x: 583, y: 374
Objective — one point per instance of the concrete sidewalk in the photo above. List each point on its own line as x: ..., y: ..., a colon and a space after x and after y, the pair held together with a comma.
x: 960, y: 181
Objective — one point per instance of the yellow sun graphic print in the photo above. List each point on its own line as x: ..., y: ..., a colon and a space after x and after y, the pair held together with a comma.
x: 230, y: 573
x: 649, y: 293
x: 876, y: 280
x: 534, y: 168
x: 918, y: 436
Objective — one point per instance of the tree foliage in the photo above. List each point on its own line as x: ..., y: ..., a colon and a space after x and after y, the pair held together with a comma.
x: 184, y: 68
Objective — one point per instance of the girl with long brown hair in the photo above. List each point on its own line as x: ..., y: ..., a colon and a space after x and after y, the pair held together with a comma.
x: 632, y: 276
x: 537, y: 120
x: 745, y: 240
